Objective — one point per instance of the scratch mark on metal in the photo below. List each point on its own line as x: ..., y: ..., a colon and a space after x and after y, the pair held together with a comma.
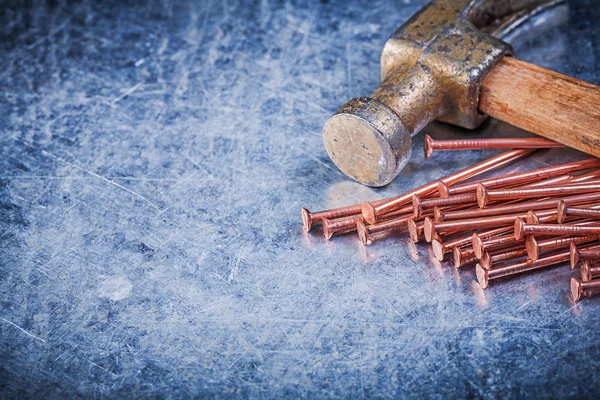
x: 23, y: 330
x: 47, y: 153
x: 126, y: 93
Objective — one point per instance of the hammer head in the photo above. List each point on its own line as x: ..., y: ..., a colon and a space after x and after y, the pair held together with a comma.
x: 432, y: 68
x: 367, y: 141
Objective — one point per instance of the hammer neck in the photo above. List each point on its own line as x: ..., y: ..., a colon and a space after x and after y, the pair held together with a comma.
x: 412, y: 95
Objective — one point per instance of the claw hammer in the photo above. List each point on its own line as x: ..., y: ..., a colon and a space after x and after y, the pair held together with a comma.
x: 448, y: 63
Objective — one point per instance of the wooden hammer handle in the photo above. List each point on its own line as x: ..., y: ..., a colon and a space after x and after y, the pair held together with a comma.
x: 553, y: 105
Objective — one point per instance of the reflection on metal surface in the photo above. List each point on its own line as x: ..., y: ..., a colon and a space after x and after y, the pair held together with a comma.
x: 413, y: 250
x: 434, y: 262
x: 367, y: 254
x: 478, y: 294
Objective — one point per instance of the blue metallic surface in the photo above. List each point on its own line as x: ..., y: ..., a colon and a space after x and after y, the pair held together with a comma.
x: 153, y: 162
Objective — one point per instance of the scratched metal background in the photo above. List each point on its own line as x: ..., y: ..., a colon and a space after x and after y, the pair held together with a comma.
x: 153, y: 162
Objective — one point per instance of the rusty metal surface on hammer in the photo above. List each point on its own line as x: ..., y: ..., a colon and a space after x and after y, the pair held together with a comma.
x: 432, y: 68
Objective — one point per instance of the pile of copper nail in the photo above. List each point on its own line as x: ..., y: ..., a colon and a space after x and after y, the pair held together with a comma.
x: 500, y: 227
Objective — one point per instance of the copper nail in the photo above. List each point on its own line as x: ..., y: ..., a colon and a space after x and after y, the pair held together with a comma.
x: 310, y: 218
x: 566, y: 179
x: 587, y: 176
x: 589, y: 254
x: 589, y: 271
x: 558, y: 172
x: 365, y: 231
x: 432, y: 228
x: 420, y: 204
x: 431, y: 145
x: 540, y: 217
x: 371, y: 212
x: 584, y: 289
x: 462, y: 257
x: 438, y: 214
x: 443, y: 189
x: 532, y: 218
x: 480, y: 246
x: 439, y: 250
x: 348, y: 224
x: 340, y: 225
x: 484, y: 195
x: 555, y: 181
x: 484, y: 276
x: 489, y: 259
x: 535, y: 248
x: 535, y: 205
x: 564, y: 211
x: 522, y: 229
x: 441, y: 247
x: 415, y: 230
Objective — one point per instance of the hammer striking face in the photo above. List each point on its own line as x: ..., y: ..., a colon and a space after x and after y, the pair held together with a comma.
x: 432, y: 68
